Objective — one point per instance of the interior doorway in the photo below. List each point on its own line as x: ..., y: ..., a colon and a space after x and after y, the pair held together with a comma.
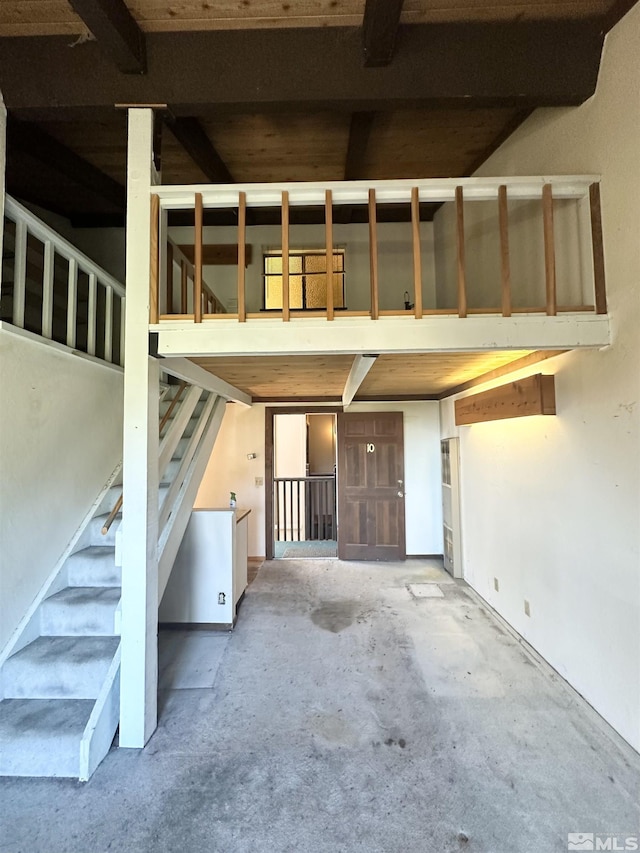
x: 304, y: 506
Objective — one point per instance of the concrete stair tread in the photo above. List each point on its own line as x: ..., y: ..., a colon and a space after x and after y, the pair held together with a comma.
x: 80, y: 610
x: 59, y: 667
x: 41, y: 737
x: 93, y: 566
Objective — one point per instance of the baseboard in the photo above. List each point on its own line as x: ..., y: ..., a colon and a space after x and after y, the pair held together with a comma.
x: 256, y: 559
x: 195, y: 626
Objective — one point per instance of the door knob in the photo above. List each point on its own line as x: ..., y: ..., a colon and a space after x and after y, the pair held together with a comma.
x: 400, y: 494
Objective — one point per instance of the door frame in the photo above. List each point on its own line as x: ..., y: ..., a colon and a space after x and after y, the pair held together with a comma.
x: 269, y: 420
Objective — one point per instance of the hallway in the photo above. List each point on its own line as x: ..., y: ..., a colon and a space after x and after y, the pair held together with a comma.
x: 349, y: 711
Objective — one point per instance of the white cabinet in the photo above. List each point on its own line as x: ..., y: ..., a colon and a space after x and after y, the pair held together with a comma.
x: 209, y: 576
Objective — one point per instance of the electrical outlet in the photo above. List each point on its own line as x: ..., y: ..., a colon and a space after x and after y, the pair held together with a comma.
x: 259, y: 481
x: 496, y: 585
x: 527, y: 609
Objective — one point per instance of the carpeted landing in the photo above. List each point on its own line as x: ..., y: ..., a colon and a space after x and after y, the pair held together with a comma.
x: 345, y: 714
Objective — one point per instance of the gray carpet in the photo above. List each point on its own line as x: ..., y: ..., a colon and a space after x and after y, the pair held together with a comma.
x: 307, y: 550
x: 345, y: 715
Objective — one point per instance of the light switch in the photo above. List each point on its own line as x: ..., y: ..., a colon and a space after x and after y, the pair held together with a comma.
x: 259, y: 481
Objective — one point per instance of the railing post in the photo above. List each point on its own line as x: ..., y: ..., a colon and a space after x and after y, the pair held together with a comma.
x: 20, y: 274
x: 597, y: 245
x: 47, y: 289
x: 328, y: 206
x: 197, y: 261
x: 242, y: 252
x: 417, y: 259
x: 169, y: 273
x: 108, y: 324
x: 505, y: 266
x: 92, y: 314
x: 285, y: 256
x: 373, y: 254
x: 462, y: 277
x: 549, y: 249
x: 72, y: 304
x: 184, y: 292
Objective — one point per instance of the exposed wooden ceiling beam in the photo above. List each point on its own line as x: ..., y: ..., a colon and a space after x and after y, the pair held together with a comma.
x: 534, y: 395
x: 191, y: 135
x: 379, y: 31
x: 118, y: 35
x: 362, y: 364
x: 527, y: 64
x: 30, y: 139
x: 359, y: 133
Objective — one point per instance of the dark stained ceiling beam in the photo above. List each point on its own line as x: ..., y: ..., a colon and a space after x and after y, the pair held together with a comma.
x: 528, y: 64
x: 359, y: 133
x: 379, y: 31
x: 191, y: 135
x: 118, y: 35
x: 30, y: 139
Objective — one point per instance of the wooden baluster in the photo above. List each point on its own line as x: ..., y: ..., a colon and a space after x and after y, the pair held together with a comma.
x: 20, y: 274
x: 599, y: 281
x: 417, y: 259
x: 169, y: 294
x: 328, y: 205
x: 242, y: 252
x: 285, y: 256
x: 184, y: 288
x: 153, y: 278
x: 462, y: 279
x: 505, y: 264
x: 123, y: 320
x: 549, y: 249
x: 197, y: 275
x: 373, y: 254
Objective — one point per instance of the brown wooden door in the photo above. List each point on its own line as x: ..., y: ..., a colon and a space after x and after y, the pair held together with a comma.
x: 370, y: 486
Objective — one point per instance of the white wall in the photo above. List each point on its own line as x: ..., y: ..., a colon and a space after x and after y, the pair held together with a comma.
x: 551, y: 506
x: 395, y: 261
x: 60, y: 439
x: 423, y: 496
x: 241, y: 433
x: 290, y: 446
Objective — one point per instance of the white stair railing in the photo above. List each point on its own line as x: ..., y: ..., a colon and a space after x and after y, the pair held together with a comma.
x: 52, y: 289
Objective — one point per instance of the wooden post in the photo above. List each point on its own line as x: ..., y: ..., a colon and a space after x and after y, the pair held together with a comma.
x: 197, y: 261
x: 184, y: 291
x: 462, y: 278
x: 242, y: 243
x: 329, y: 251
x: 598, y: 250
x: 169, y: 295
x: 139, y: 668
x: 373, y: 254
x: 154, y: 310
x: 417, y: 260
x: 108, y: 323
x: 285, y: 256
x: 549, y: 249
x: 92, y: 314
x: 505, y: 264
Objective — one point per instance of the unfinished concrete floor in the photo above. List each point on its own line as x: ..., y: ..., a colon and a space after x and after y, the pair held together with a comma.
x: 346, y: 714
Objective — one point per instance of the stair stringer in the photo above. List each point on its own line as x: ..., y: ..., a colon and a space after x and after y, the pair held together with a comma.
x: 103, y: 722
x: 174, y: 530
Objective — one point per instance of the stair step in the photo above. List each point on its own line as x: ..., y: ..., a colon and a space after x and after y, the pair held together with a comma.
x: 59, y: 668
x: 94, y: 566
x: 41, y: 737
x: 79, y: 610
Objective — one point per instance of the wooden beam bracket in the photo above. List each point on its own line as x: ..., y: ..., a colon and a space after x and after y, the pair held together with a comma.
x: 534, y: 395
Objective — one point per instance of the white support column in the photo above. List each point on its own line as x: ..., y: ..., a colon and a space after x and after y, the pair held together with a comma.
x: 3, y: 163
x: 139, y: 672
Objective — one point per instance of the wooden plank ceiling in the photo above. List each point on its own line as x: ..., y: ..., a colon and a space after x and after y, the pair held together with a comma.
x: 392, y: 377
x: 56, y: 17
x: 297, y: 95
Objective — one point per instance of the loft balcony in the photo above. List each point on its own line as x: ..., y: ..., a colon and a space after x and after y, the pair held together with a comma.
x: 438, y: 265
